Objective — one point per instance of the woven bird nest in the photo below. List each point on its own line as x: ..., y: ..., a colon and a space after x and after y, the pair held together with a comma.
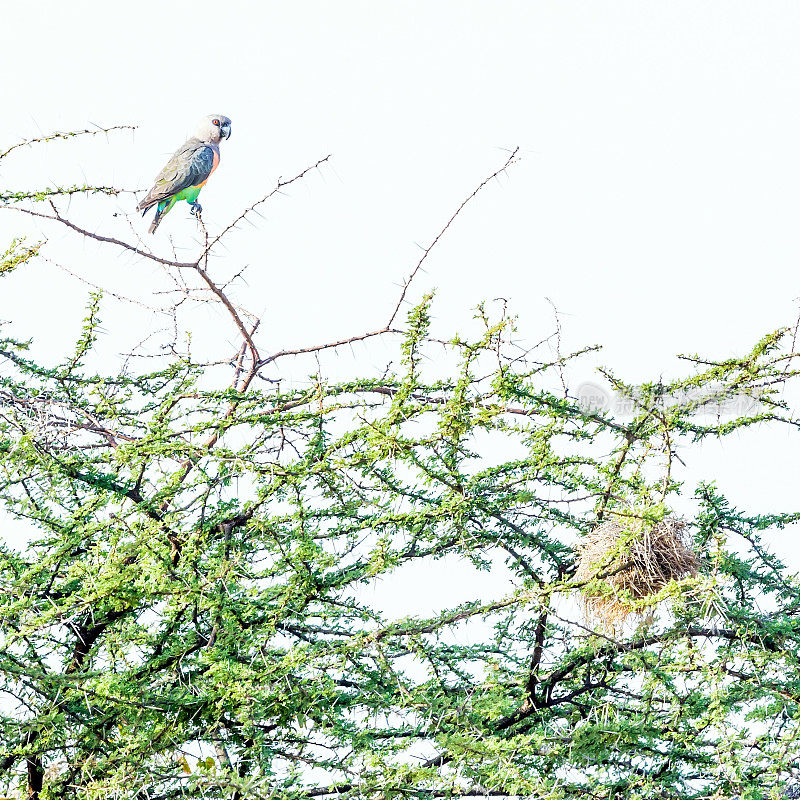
x: 627, y: 562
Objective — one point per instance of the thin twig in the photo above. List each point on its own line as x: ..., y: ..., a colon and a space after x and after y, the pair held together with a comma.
x: 328, y: 346
x: 509, y: 161
x: 251, y: 209
x: 66, y: 135
x: 97, y: 237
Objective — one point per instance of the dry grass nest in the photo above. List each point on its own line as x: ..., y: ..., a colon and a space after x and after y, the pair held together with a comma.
x: 632, y: 561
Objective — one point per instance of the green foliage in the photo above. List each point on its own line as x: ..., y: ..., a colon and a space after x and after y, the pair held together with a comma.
x: 192, y: 615
x: 41, y: 195
x: 191, y: 604
x: 17, y: 253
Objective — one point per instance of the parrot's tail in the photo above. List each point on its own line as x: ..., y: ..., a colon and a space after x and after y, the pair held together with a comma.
x: 156, y: 220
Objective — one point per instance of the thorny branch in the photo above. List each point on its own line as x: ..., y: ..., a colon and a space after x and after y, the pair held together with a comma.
x: 97, y: 130
x: 426, y: 252
x: 199, y: 265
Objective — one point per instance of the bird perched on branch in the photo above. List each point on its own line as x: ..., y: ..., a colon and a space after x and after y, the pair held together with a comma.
x: 189, y: 168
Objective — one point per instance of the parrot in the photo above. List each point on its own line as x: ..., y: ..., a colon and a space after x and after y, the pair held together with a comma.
x: 187, y: 171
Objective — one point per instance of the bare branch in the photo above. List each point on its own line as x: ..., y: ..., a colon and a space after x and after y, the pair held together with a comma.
x: 328, y: 346
x: 223, y: 298
x: 509, y: 161
x: 97, y: 237
x: 251, y: 209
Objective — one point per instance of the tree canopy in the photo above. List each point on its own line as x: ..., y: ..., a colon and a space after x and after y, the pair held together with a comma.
x: 194, y: 613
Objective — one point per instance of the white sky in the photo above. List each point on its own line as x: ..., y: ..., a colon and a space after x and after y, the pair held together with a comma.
x: 656, y: 203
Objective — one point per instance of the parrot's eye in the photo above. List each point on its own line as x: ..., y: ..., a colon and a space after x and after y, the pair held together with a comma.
x: 215, y: 121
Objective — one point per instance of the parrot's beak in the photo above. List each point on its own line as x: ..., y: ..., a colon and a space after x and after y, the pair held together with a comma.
x: 226, y: 131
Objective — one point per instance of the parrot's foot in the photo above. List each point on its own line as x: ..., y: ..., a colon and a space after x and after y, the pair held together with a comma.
x: 196, y: 208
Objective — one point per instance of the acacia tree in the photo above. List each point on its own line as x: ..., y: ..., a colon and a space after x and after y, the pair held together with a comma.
x: 192, y: 615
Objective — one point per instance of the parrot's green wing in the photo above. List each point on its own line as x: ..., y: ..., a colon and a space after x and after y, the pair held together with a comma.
x: 189, y: 166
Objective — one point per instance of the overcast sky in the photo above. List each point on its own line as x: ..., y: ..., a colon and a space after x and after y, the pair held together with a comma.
x: 656, y: 202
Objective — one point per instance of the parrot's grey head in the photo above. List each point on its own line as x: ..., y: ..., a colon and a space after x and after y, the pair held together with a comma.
x: 213, y: 128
